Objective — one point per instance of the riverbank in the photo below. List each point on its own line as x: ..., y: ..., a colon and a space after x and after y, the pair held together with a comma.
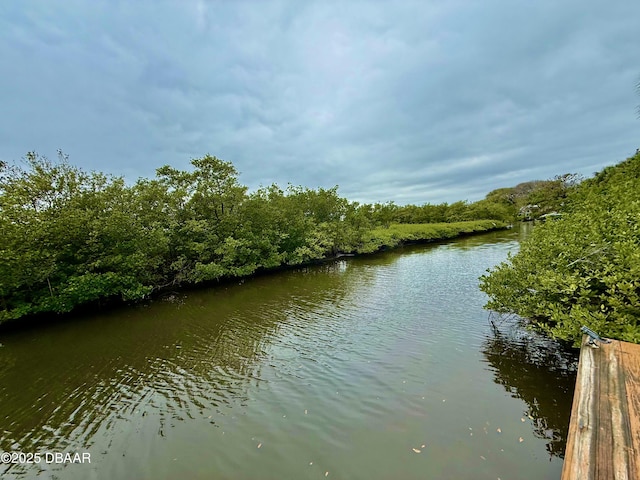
x: 583, y: 268
x: 400, y: 234
x: 376, y: 240
x: 389, y: 238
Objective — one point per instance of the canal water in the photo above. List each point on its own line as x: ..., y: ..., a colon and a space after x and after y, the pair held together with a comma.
x: 380, y: 367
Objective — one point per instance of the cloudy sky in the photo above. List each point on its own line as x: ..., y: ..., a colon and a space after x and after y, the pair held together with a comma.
x: 425, y: 101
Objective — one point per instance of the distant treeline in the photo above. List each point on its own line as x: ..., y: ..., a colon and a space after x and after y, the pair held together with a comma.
x: 526, y: 201
x: 583, y: 267
x: 70, y: 237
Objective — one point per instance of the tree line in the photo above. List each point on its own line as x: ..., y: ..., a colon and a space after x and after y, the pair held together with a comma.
x: 70, y: 237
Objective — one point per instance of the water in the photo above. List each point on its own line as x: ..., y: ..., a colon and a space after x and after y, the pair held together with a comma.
x: 375, y: 368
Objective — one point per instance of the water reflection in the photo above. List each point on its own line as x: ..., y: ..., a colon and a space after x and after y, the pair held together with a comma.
x: 522, y: 361
x: 193, y: 356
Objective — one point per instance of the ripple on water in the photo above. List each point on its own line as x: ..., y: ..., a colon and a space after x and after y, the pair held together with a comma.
x: 346, y: 368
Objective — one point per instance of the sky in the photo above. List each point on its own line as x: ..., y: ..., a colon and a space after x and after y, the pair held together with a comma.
x: 405, y: 101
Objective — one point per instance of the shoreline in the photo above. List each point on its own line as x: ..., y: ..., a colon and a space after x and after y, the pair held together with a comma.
x: 108, y: 304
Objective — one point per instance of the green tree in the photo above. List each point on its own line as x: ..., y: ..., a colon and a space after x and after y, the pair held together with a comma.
x: 457, y: 212
x: 384, y: 213
x: 68, y: 238
x: 583, y: 269
x: 203, y: 205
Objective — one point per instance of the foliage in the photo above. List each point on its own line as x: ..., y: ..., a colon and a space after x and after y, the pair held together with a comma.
x: 583, y: 269
x: 503, y: 204
x: 68, y: 237
x: 397, y: 234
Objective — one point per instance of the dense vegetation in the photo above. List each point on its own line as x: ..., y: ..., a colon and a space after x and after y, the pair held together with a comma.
x: 70, y: 237
x: 397, y: 234
x: 583, y: 269
x: 525, y: 201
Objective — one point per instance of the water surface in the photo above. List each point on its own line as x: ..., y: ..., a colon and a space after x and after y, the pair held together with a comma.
x: 376, y: 367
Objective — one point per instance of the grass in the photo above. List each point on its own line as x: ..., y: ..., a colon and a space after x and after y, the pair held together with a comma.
x: 398, y: 234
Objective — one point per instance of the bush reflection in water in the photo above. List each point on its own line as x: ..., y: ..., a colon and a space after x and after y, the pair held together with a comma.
x: 521, y: 361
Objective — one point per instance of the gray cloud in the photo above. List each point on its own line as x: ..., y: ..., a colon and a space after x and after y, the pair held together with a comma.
x: 412, y: 101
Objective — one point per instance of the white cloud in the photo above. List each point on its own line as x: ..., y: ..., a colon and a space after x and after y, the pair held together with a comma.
x: 410, y: 101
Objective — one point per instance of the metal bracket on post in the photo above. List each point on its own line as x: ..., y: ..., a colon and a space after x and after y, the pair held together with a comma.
x: 594, y: 338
